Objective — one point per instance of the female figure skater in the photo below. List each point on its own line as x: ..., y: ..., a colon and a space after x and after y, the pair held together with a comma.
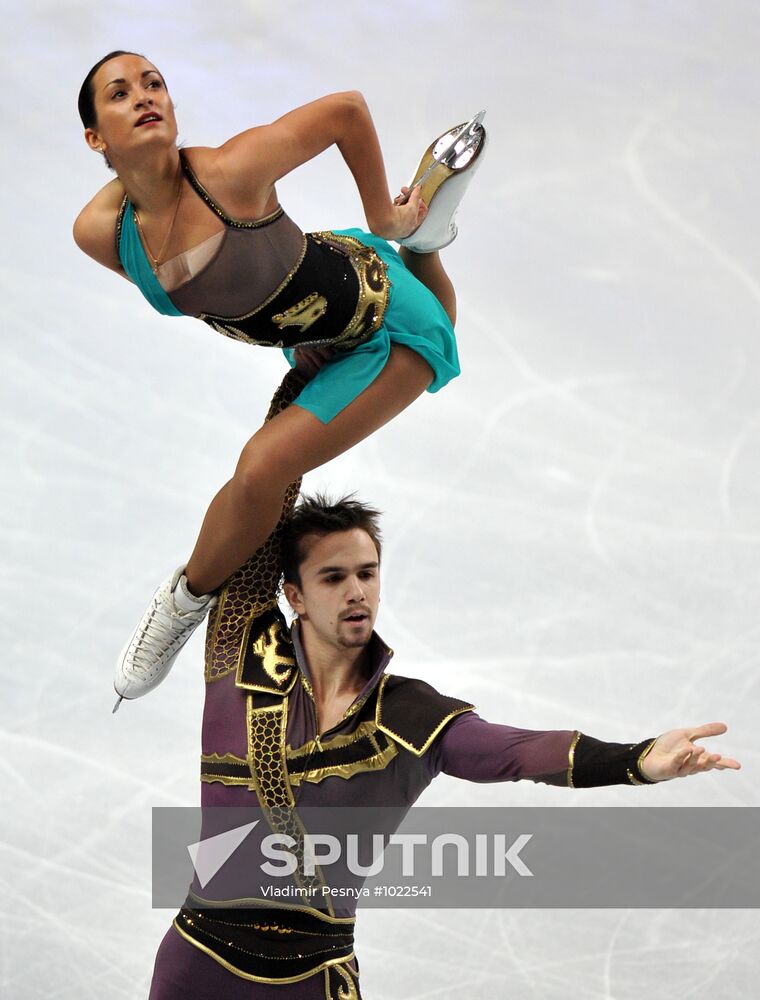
x: 201, y: 233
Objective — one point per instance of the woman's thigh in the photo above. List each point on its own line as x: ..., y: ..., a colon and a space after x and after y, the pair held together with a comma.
x: 295, y: 441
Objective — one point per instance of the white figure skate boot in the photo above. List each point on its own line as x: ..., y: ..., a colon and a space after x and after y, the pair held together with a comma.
x: 172, y: 617
x: 444, y: 173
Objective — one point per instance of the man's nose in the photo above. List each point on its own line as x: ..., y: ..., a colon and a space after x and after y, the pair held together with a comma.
x: 356, y: 590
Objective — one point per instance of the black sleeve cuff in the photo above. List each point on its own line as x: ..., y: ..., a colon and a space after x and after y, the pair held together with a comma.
x: 594, y: 763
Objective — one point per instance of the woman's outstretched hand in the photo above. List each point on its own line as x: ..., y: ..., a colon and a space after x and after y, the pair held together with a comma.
x: 676, y: 755
x: 405, y: 215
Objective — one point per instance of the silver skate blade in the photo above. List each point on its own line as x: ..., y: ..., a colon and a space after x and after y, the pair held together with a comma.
x: 468, y: 127
x: 119, y: 700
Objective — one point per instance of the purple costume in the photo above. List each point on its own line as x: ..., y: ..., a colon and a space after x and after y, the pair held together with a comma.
x: 260, y: 739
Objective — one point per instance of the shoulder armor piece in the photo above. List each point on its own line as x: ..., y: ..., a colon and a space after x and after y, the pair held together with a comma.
x: 267, y: 659
x: 413, y: 713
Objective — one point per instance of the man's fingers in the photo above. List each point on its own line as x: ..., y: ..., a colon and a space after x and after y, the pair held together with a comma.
x: 709, y: 729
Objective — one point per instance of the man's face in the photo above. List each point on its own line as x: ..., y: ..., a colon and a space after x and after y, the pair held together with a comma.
x: 340, y: 589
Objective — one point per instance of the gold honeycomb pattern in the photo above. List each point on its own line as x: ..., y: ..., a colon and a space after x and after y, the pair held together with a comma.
x: 266, y: 747
x: 253, y: 588
x: 266, y: 752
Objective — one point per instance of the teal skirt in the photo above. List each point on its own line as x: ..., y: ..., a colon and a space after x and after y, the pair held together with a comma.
x: 414, y: 318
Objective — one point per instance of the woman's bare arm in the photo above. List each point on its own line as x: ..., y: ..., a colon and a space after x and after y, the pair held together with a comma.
x: 95, y: 227
x: 254, y: 160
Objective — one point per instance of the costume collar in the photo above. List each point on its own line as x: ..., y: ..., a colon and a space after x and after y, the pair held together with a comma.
x: 272, y: 657
x: 379, y: 655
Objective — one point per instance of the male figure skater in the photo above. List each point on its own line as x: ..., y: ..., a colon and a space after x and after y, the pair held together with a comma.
x: 308, y: 714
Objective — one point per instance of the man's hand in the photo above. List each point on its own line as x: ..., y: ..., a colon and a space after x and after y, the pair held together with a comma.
x: 675, y: 754
x: 310, y: 359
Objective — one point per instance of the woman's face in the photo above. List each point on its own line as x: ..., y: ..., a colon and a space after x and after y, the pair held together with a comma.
x: 134, y: 110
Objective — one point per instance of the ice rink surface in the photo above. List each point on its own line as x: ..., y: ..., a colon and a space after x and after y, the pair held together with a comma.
x: 573, y: 526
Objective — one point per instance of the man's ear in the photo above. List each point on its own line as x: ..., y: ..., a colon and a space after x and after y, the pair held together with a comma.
x: 293, y: 597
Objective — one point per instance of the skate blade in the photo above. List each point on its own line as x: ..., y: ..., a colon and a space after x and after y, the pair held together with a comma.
x: 446, y: 159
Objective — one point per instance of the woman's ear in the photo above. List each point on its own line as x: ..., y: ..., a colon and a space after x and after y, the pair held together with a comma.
x: 94, y: 141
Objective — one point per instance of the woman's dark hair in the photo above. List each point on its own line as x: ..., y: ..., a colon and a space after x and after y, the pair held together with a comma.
x: 319, y: 515
x: 86, y: 102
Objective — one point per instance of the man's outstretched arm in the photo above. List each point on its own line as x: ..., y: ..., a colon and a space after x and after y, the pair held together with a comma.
x: 476, y: 750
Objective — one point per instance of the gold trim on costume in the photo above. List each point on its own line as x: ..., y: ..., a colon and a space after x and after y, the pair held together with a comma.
x: 400, y: 739
x: 303, y: 314
x: 571, y: 759
x: 119, y: 225
x: 275, y: 665
x: 260, y: 979
x: 286, y: 681
x: 364, y: 729
x: 217, y: 209
x: 267, y: 760
x: 226, y: 779
x: 372, y: 300
x: 210, y: 904
x: 307, y: 685
x: 348, y: 989
x: 374, y: 287
x: 641, y: 756
x: 377, y: 761
x: 223, y: 324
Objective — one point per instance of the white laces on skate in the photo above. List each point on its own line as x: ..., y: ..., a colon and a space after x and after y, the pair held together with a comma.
x: 160, y: 634
x: 164, y: 629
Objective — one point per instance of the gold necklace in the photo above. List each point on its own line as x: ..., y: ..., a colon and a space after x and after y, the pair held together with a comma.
x: 155, y: 261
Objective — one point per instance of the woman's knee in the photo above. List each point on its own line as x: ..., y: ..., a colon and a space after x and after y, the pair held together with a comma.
x: 262, y: 471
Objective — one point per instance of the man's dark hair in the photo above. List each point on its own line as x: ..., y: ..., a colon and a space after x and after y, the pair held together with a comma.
x: 86, y: 102
x: 319, y: 515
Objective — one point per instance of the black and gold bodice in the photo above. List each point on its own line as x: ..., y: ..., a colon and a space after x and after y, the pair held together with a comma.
x: 263, y: 281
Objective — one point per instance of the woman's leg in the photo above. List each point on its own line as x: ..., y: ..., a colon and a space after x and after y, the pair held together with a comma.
x: 245, y: 511
x: 428, y: 268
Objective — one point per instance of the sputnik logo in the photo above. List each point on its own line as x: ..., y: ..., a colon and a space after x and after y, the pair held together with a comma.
x: 209, y: 855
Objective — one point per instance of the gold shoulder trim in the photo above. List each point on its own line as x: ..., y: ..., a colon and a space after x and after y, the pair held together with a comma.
x: 400, y: 739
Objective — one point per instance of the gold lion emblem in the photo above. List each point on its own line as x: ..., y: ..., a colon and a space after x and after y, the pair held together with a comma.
x: 303, y: 314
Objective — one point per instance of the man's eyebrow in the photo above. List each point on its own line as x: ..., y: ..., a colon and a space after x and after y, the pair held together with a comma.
x: 342, y: 569
x: 145, y: 72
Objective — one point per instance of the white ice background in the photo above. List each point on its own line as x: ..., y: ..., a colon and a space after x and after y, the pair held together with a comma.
x: 573, y: 526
